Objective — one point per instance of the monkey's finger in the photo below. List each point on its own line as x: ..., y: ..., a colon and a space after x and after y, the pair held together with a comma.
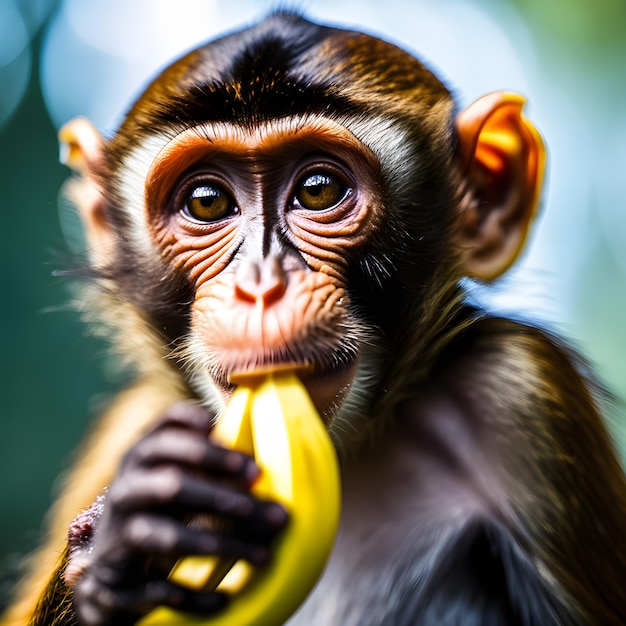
x: 166, y: 593
x: 221, y: 500
x: 172, y: 489
x: 185, y: 448
x: 164, y: 537
x: 104, y: 605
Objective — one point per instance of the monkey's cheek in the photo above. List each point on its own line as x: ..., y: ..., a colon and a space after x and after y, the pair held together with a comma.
x: 330, y: 389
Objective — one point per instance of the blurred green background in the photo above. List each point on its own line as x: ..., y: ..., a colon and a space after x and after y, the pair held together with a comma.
x: 62, y: 58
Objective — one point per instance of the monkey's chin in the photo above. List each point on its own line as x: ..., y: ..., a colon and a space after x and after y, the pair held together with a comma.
x: 327, y: 388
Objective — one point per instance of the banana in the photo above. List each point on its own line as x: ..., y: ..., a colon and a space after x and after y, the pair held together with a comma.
x: 272, y: 418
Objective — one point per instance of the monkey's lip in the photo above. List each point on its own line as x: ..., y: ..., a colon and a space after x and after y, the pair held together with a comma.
x: 244, y: 376
x: 327, y: 386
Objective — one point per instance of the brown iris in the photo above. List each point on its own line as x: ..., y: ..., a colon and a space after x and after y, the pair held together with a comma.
x: 318, y: 192
x: 209, y: 203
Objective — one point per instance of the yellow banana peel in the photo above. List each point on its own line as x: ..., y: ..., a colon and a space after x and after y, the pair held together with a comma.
x: 272, y: 418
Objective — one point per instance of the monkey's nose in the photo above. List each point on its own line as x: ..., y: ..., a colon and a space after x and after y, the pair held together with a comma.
x: 261, y: 281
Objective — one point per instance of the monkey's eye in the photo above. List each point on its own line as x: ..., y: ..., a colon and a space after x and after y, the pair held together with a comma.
x: 208, y: 203
x: 320, y: 191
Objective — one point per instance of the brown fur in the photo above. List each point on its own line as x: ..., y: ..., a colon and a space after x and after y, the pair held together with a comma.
x: 527, y: 451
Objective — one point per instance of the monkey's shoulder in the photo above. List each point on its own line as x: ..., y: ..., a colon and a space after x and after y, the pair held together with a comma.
x: 493, y: 340
x: 517, y: 368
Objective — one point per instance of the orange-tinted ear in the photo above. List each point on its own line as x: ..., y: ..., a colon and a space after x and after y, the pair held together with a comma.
x: 502, y: 159
x: 82, y: 149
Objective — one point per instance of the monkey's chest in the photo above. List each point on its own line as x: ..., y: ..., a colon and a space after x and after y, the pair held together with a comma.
x: 398, y: 514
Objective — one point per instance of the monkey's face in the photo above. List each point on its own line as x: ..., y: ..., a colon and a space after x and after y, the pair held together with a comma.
x: 264, y: 224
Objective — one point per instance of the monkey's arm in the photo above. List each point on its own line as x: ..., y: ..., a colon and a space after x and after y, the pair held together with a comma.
x: 556, y: 485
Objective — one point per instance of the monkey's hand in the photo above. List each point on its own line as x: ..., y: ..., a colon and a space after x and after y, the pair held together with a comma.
x: 119, y: 571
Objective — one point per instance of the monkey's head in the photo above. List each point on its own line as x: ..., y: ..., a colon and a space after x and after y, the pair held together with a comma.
x: 297, y: 195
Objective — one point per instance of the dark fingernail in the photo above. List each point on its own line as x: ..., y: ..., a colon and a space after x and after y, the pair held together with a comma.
x: 276, y: 515
x: 235, y: 462
x: 252, y: 472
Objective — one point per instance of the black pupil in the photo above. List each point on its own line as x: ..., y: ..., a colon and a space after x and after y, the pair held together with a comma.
x: 206, y: 195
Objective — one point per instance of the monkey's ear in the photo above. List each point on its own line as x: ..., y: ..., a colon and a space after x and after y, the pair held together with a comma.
x: 82, y: 150
x: 502, y: 159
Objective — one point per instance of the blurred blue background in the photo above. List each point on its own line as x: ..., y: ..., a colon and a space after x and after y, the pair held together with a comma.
x: 61, y: 58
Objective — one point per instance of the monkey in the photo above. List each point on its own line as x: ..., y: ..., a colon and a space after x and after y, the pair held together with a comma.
x: 298, y: 194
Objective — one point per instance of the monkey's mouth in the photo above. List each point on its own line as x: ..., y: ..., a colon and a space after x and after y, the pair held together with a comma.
x: 327, y: 382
